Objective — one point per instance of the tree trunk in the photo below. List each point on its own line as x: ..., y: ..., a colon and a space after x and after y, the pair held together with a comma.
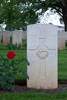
x: 64, y: 11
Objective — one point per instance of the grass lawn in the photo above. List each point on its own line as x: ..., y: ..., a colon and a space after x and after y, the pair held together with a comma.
x: 62, y: 64
x: 40, y: 96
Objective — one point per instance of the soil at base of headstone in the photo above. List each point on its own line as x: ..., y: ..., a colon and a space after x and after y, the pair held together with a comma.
x: 22, y: 88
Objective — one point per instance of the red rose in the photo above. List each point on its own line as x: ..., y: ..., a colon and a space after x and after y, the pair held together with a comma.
x: 11, y: 55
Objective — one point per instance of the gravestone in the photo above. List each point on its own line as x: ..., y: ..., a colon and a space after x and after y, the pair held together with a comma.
x: 24, y: 35
x: 6, y: 37
x: 62, y: 37
x: 0, y: 37
x: 17, y: 37
x: 42, y: 56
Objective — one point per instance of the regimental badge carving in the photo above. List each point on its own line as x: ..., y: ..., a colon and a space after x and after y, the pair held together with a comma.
x: 42, y: 54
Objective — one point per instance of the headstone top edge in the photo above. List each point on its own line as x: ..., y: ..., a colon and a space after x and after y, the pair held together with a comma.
x: 41, y: 25
x: 62, y: 32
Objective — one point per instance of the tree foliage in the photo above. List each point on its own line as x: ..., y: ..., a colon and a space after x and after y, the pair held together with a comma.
x: 18, y: 14
x: 60, y: 6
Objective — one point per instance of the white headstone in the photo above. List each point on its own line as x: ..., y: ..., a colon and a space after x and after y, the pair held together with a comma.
x: 24, y: 35
x: 42, y: 56
x: 0, y: 37
x: 17, y: 37
x: 62, y: 38
x: 6, y: 37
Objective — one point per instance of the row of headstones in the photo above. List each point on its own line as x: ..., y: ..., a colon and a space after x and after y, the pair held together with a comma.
x: 17, y: 37
x: 62, y: 39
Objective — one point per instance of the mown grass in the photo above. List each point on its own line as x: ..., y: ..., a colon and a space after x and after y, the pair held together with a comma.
x: 40, y: 96
x: 62, y: 64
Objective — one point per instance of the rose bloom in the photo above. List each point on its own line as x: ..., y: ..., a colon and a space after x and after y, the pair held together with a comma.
x: 11, y: 55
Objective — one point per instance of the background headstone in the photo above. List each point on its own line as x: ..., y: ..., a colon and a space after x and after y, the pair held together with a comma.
x: 42, y: 56
x: 62, y: 37
x: 0, y: 37
x: 6, y: 37
x: 24, y: 35
x: 17, y: 37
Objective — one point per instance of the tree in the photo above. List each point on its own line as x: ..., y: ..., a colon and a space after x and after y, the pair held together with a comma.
x: 60, y: 6
x: 18, y: 14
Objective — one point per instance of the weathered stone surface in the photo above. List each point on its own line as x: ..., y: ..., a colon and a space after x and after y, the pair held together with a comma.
x: 17, y: 37
x: 42, y: 56
x: 6, y: 37
x: 62, y: 37
x: 24, y: 35
x: 0, y: 37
